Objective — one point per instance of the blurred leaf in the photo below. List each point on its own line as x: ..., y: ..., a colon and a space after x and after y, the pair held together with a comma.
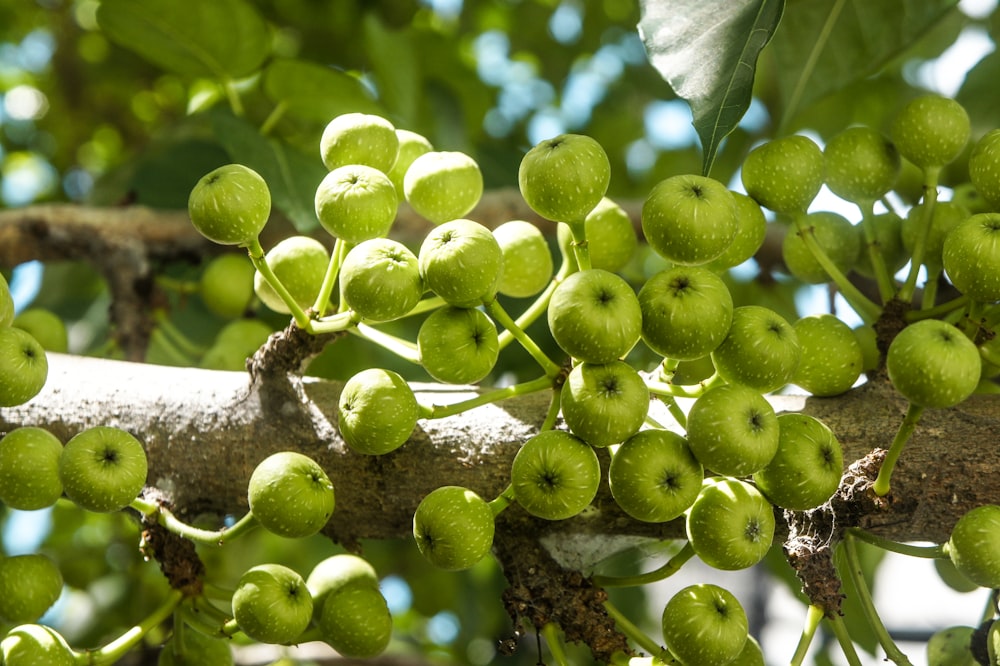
x: 708, y: 52
x: 314, y: 92
x: 980, y: 96
x: 165, y: 178
x: 396, y: 69
x: 222, y: 38
x: 291, y: 175
x: 823, y: 46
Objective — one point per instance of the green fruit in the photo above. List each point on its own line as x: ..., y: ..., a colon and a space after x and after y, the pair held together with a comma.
x: 654, y: 477
x: 730, y: 525
x: 888, y: 229
x: 751, y: 229
x: 356, y: 203
x: 951, y: 647
x: 611, y: 237
x: 984, y: 167
x: 861, y: 164
x: 411, y: 146
x: 835, y: 235
x: 555, y: 475
x: 380, y: 279
x: 689, y: 219
x: 193, y: 648
x: 946, y: 217
x: 290, y: 495
x: 234, y: 343
x: 732, y: 430
x: 453, y: 528
x: 686, y: 312
x: 299, y: 263
x: 102, y: 469
x: 831, y: 355
x: 750, y: 655
x: 458, y: 345
x: 44, y: 326
x: 23, y: 367
x: 974, y: 545
x: 688, y: 373
x: 359, y: 138
x: 761, y: 349
x: 952, y: 577
x: 377, y: 411
x: 604, y: 403
x: 35, y: 645
x: 971, y: 257
x: 443, y: 185
x: 930, y: 131
x: 6, y: 303
x: 355, y: 621
x: 932, y: 364
x: 29, y: 469
x: 870, y: 354
x: 226, y: 285
x: 565, y: 177
x: 461, y: 261
x: 785, y: 174
x: 335, y: 573
x: 230, y: 205
x: 967, y: 196
x: 272, y: 604
x: 704, y: 625
x: 527, y: 261
x: 594, y: 316
x: 29, y: 585
x: 806, y: 469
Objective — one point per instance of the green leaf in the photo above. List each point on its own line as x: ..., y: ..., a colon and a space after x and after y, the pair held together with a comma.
x: 316, y: 93
x: 396, y: 68
x: 824, y: 46
x: 707, y: 52
x: 224, y: 39
x: 291, y: 175
x: 979, y: 94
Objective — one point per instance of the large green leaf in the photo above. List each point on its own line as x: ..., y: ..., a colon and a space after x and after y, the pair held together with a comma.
x: 825, y: 45
x: 314, y: 92
x: 707, y: 52
x: 291, y: 175
x: 215, y: 38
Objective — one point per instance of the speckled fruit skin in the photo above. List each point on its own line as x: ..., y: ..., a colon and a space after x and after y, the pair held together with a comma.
x: 932, y: 364
x: 761, y: 350
x: 29, y: 585
x: 732, y: 430
x: 861, y: 164
x: 272, y: 604
x: 35, y: 645
x: 555, y: 475
x: 102, y: 468
x: 458, y: 345
x: 336, y: 572
x: 290, y: 494
x: 355, y: 621
x: 751, y: 229
x: 831, y: 355
x: 29, y: 468
x: 951, y: 646
x: 461, y: 262
x: 689, y: 219
x: 971, y: 257
x: 730, y: 525
x: 974, y: 545
x: 704, y: 625
x: 594, y: 316
x: 806, y: 469
x: 356, y: 203
x: 784, y: 174
x: 604, y: 403
x: 230, y: 205
x: 527, y: 260
x: 654, y: 477
x: 380, y: 279
x: 411, y: 146
x: 359, y: 138
x: 377, y: 411
x: 833, y: 233
x: 564, y: 178
x: 930, y: 131
x: 686, y: 312
x: 611, y: 236
x: 299, y: 263
x: 6, y: 304
x: 23, y: 367
x: 443, y: 185
x: 750, y: 655
x: 984, y: 168
x: 453, y: 528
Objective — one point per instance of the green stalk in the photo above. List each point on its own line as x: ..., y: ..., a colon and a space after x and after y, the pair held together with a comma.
x: 672, y: 566
x: 540, y: 304
x: 404, y: 349
x: 341, y: 321
x: 554, y: 405
x: 929, y: 295
x: 165, y: 518
x: 552, y: 638
x: 674, y: 409
x: 340, y: 249
x: 502, y: 501
x: 844, y: 638
x: 169, y: 348
x: 581, y: 248
x: 273, y: 118
x: 886, y: 287
x: 929, y: 552
x: 233, y: 96
x: 673, y: 390
x: 117, y: 648
x: 256, y: 253
x: 176, y: 336
x: 937, y: 311
x: 552, y: 369
x: 931, y: 174
x: 813, y: 617
x: 496, y: 395
x: 177, y: 286
x: 906, y: 428
x: 632, y: 632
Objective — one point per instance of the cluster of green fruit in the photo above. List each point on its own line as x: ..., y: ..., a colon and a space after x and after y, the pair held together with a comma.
x: 23, y: 364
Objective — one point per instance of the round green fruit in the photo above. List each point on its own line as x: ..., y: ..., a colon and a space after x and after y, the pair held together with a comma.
x: 686, y: 312
x: 411, y: 146
x: 359, y: 138
x: 230, y: 205
x: 44, y: 326
x: 234, y: 343
x: 761, y: 349
x: 102, y: 469
x: 611, y: 237
x: 453, y: 528
x: 461, y: 261
x: 555, y: 475
x: 380, y: 279
x: 443, y: 185
x: 704, y: 625
x: 356, y: 203
x: 594, y: 316
x: 952, y: 577
x: 355, y: 621
x: 604, y: 403
x: 527, y: 260
x: 377, y: 411
x: 290, y: 495
x: 272, y: 604
x: 831, y: 355
x: 35, y: 645
x: 951, y: 646
x: 806, y: 469
x: 930, y: 131
x: 565, y: 177
x: 751, y: 229
x: 29, y: 585
x: 335, y: 573
x: 299, y: 263
x: 732, y: 430
x: 6, y: 303
x: 654, y: 477
x: 971, y: 257
x: 932, y: 364
x: 984, y: 167
x: 226, y: 285
x: 750, y: 655
x: 974, y: 545
x: 834, y: 234
x: 861, y: 164
x: 29, y: 468
x: 23, y: 367
x: 458, y: 345
x: 730, y: 525
x: 785, y: 174
x: 689, y: 219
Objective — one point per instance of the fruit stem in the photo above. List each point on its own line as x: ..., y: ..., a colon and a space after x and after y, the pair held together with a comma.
x: 929, y: 295
x: 892, y: 652
x: 865, y: 308
x: 166, y: 519
x: 631, y: 631
x: 663, y: 389
x: 882, y: 277
x: 402, y: 348
x: 340, y: 248
x: 273, y: 118
x: 197, y: 618
x: 581, y: 250
x: 906, y: 428
x: 176, y: 285
x: 937, y: 311
x: 813, y: 616
x: 974, y: 319
x: 496, y: 395
x: 503, y: 500
x: 337, y: 322
x: 552, y: 638
x: 117, y: 648
x: 540, y: 304
x: 176, y: 336
x: 928, y: 552
x: 256, y: 253
x: 905, y: 293
x: 234, y: 97
x: 552, y: 370
x: 668, y: 569
x: 674, y: 409
x: 554, y: 407
x: 844, y: 638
